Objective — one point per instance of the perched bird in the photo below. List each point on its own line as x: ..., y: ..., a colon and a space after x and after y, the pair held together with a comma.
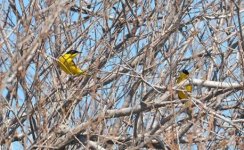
x: 67, y: 64
x: 184, y: 74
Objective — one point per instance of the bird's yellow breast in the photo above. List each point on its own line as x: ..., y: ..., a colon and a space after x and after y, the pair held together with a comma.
x: 67, y: 64
x: 188, y: 88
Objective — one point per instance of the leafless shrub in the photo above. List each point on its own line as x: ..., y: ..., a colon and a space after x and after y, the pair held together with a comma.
x: 134, y: 51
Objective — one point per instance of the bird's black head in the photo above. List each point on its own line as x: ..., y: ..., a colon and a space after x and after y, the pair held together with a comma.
x: 72, y: 52
x: 185, y: 71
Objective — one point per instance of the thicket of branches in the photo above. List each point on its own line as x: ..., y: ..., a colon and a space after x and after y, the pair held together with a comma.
x: 134, y: 51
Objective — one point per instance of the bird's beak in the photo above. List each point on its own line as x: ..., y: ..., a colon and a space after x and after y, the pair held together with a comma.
x: 78, y: 53
x: 74, y: 55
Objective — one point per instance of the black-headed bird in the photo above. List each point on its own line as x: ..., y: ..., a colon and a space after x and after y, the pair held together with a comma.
x: 183, y: 94
x: 66, y: 63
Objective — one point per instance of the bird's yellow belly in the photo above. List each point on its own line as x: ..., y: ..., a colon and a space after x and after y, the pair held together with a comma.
x: 184, y: 94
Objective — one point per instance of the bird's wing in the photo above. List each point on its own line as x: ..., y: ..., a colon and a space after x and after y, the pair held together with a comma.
x: 70, y: 62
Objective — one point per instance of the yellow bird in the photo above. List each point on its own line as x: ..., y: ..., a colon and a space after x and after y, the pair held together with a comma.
x: 183, y: 94
x: 184, y: 74
x: 67, y: 64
